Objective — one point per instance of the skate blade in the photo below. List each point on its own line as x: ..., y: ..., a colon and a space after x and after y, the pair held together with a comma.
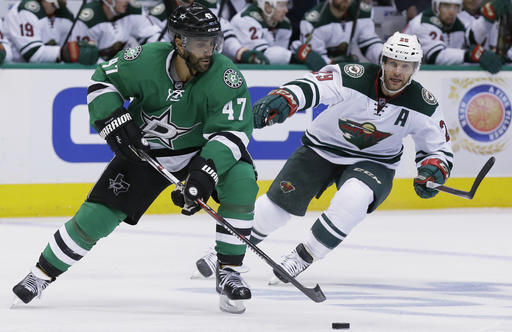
x: 15, y: 302
x: 275, y: 281
x: 231, y: 306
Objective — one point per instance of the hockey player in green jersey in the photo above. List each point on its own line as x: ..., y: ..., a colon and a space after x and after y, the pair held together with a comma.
x: 190, y: 109
x: 356, y: 143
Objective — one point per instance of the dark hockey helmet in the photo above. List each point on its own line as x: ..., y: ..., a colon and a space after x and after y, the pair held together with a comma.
x: 195, y: 21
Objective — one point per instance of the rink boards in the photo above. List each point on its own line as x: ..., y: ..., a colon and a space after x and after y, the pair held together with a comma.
x: 50, y: 156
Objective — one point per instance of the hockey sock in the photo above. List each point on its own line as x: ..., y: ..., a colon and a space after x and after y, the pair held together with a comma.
x: 268, y: 217
x: 76, y: 237
x: 348, y: 207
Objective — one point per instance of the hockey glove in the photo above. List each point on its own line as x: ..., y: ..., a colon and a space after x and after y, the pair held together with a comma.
x: 200, y: 183
x: 488, y: 60
x: 2, y: 54
x: 122, y: 134
x: 254, y: 57
x: 312, y: 59
x: 274, y: 108
x: 430, y: 170
x: 494, y: 9
x: 81, y: 52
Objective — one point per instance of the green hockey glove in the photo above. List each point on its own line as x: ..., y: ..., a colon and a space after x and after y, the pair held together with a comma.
x: 495, y: 9
x: 2, y: 54
x: 312, y: 59
x: 254, y: 57
x: 430, y: 170
x: 81, y: 52
x: 274, y: 108
x: 488, y: 60
x: 122, y: 134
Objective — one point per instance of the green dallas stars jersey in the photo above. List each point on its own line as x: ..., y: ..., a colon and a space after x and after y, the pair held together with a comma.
x: 212, y: 112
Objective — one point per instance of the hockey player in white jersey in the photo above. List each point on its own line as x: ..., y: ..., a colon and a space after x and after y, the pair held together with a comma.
x: 5, y: 47
x: 232, y: 47
x: 356, y: 144
x: 488, y: 32
x: 111, y: 23
x: 333, y: 27
x: 445, y: 39
x: 263, y: 26
x: 37, y: 30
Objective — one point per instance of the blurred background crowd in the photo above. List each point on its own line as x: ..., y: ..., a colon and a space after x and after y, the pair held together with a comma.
x: 310, y: 32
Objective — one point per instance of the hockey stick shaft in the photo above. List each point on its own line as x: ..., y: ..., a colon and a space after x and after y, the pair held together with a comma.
x: 314, y: 294
x: 476, y: 183
x: 74, y: 22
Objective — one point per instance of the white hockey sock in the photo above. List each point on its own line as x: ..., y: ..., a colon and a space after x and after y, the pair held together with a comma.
x: 268, y: 217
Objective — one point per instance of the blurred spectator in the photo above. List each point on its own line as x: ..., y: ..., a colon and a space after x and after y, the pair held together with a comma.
x: 232, y: 47
x: 445, y: 40
x: 111, y: 23
x: 333, y: 27
x: 412, y: 7
x: 5, y: 47
x: 264, y: 27
x: 471, y: 12
x: 37, y: 30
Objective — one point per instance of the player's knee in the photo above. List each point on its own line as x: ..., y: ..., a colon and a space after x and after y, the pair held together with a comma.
x: 268, y: 216
x: 350, y: 204
x: 96, y: 221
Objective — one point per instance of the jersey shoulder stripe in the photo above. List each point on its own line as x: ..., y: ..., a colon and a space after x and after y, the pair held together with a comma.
x: 92, y: 14
x: 32, y: 6
x: 360, y: 77
x: 64, y: 12
x: 417, y: 98
x: 254, y: 12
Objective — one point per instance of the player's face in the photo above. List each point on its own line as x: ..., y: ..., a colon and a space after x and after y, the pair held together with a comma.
x: 471, y: 5
x: 201, y: 51
x: 341, y: 5
x: 448, y: 13
x: 280, y: 11
x: 397, y: 73
x: 121, y: 6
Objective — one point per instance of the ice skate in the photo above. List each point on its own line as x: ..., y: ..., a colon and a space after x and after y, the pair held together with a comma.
x: 205, y: 265
x: 232, y: 288
x: 31, y: 286
x: 293, y: 263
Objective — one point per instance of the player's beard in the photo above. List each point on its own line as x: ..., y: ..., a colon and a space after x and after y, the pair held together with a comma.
x: 199, y: 65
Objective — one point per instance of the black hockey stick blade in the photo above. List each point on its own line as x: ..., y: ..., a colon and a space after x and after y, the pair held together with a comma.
x: 466, y: 194
x: 314, y: 294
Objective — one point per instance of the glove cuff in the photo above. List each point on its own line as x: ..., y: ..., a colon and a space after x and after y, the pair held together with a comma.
x: 488, y: 12
x: 113, y: 122
x: 439, y: 164
x: 290, y: 99
x: 303, y: 52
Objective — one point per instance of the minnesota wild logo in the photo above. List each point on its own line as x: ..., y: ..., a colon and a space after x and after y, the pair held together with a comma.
x: 286, y: 186
x: 362, y: 135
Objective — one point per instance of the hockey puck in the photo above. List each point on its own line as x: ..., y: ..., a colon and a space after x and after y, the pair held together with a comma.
x: 338, y: 326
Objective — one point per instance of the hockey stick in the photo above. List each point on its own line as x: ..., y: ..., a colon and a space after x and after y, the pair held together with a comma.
x: 465, y: 194
x: 314, y: 294
x: 74, y: 22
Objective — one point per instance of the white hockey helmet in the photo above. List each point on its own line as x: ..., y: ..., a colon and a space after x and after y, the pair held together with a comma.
x: 273, y: 5
x: 436, y: 3
x: 402, y: 47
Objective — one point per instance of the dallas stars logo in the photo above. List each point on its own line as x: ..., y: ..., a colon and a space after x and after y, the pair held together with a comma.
x: 162, y: 129
x: 361, y: 135
x: 118, y: 185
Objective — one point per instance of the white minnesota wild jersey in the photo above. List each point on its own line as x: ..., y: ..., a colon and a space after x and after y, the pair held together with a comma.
x: 440, y: 46
x: 35, y: 37
x: 254, y: 33
x: 112, y: 36
x: 359, y: 125
x: 331, y: 37
x: 5, y: 43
